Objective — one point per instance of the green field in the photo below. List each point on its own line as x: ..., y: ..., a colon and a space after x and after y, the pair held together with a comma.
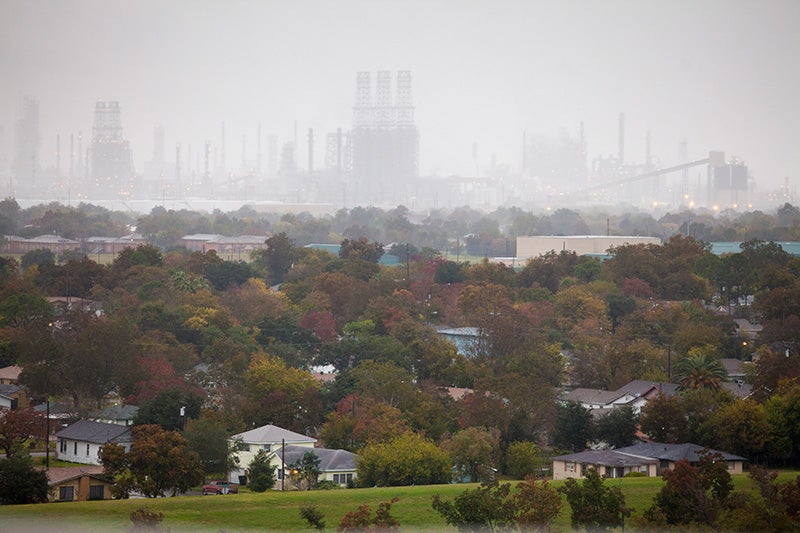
x: 279, y: 511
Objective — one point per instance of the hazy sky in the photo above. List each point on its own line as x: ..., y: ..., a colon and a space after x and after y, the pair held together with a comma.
x: 723, y: 74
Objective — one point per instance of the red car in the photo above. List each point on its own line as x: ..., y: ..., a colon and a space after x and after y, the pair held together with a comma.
x: 220, y: 487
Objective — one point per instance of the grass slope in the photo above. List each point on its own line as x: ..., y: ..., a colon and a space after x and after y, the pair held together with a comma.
x: 279, y: 511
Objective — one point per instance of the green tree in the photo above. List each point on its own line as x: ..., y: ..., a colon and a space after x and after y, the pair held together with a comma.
x: 208, y: 437
x: 307, y: 468
x: 41, y: 258
x: 405, y: 460
x: 474, y: 451
x: 700, y: 370
x: 573, y: 427
x: 277, y: 258
x: 21, y: 482
x: 618, y: 427
x: 742, y: 427
x: 522, y: 459
x: 260, y: 473
x: 170, y: 409
x: 161, y: 462
x: 485, y: 508
x: 595, y: 506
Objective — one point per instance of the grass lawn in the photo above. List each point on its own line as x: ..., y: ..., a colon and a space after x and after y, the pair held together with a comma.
x: 279, y: 511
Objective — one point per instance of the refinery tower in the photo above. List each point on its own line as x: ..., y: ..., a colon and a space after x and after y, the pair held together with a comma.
x: 112, y: 164
x: 384, y: 140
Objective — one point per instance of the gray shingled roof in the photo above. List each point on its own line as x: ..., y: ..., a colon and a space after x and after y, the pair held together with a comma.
x: 606, y: 458
x: 95, y: 432
x: 116, y: 412
x: 674, y: 452
x: 330, y: 460
x: 271, y: 434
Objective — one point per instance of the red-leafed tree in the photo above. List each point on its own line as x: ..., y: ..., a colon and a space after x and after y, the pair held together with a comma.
x: 18, y: 427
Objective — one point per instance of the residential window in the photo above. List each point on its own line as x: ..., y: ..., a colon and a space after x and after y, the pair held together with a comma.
x: 87, y: 450
x: 342, y: 479
x: 96, y: 492
x: 66, y: 494
x: 569, y: 467
x: 75, y: 448
x: 62, y: 446
x: 280, y: 473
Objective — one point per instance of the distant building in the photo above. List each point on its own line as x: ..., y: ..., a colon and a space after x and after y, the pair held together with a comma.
x: 535, y: 246
x: 78, y: 484
x: 224, y: 246
x: 12, y: 244
x: 112, y: 162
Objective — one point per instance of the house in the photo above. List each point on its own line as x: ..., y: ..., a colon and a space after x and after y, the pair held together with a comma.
x: 338, y: 466
x: 466, y: 339
x: 669, y: 454
x: 13, y: 397
x: 635, y: 394
x: 268, y: 438
x: 78, y: 483
x: 81, y: 442
x: 10, y: 375
x: 609, y: 463
x: 116, y: 414
x: 648, y: 458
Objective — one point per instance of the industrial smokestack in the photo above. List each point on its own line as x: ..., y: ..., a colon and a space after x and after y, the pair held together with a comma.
x: 621, y: 156
x: 310, y: 150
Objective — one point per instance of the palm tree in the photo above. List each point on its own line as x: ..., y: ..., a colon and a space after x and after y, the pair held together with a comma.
x: 700, y: 371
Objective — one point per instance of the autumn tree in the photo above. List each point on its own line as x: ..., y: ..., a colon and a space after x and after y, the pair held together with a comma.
x: 18, y: 428
x: 278, y: 394
x: 161, y: 462
x: 692, y: 494
x: 663, y: 419
x: 72, y: 357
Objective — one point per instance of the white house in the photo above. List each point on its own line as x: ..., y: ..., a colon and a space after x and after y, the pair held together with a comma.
x: 81, y: 441
x: 338, y: 466
x: 268, y: 438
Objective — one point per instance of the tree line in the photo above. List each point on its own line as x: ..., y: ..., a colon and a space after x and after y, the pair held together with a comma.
x: 234, y: 343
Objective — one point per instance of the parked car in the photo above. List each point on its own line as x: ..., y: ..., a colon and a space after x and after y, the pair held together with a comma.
x: 220, y: 487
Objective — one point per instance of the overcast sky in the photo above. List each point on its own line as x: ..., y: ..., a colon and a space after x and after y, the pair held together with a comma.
x: 722, y: 74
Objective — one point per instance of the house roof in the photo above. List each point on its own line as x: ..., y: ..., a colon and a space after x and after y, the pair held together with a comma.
x: 7, y: 389
x: 734, y: 367
x: 739, y: 388
x: 270, y: 434
x: 674, y: 452
x: 602, y: 397
x: 116, y: 412
x: 10, y: 372
x: 61, y: 474
x: 95, y: 432
x: 639, y: 387
x: 329, y: 460
x: 613, y: 458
